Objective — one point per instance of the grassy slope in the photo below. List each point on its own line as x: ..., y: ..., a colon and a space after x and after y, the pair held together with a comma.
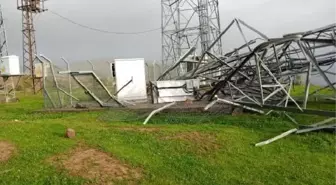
x: 298, y: 159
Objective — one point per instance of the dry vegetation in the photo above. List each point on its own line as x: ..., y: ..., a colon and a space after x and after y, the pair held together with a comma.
x: 96, y: 165
x: 6, y: 151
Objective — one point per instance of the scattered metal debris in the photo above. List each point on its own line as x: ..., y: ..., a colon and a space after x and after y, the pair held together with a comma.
x: 263, y: 71
x: 304, y: 129
x: 233, y: 104
x: 157, y: 111
x: 330, y: 128
x: 260, y: 76
x: 277, y: 137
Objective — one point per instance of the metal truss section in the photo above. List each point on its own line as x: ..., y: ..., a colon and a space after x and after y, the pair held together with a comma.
x: 187, y: 24
x: 3, y: 38
x: 264, y: 71
x: 29, y: 9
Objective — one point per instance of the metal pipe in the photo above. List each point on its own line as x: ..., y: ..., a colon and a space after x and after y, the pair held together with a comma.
x: 277, y: 137
x: 69, y: 80
x: 54, y: 77
x: 157, y: 111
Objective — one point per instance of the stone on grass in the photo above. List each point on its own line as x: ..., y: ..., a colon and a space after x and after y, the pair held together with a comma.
x: 70, y: 133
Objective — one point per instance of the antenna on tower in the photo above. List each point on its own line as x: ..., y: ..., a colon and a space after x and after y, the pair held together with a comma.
x: 3, y: 38
x: 29, y: 9
x: 187, y: 24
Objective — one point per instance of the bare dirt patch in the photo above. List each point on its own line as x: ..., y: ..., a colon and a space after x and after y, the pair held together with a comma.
x: 96, y: 165
x: 203, y: 142
x: 137, y: 129
x: 6, y: 151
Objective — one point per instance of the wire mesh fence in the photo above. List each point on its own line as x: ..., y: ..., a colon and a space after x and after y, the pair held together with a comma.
x: 83, y: 87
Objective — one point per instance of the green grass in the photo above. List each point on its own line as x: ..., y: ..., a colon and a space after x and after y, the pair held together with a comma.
x: 297, y: 159
x: 299, y: 90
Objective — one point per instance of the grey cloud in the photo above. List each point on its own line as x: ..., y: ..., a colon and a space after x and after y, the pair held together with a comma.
x: 56, y: 37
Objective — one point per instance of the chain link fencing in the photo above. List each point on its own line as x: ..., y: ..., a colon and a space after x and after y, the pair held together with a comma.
x: 83, y: 85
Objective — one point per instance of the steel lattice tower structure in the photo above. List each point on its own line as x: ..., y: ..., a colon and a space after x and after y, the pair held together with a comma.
x: 3, y: 38
x: 29, y: 9
x: 188, y: 23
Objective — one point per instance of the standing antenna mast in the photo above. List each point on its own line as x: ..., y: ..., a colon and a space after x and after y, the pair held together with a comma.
x: 29, y: 9
x: 3, y: 37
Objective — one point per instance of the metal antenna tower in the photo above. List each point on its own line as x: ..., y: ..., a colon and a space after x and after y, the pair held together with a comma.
x: 29, y: 8
x: 3, y: 38
x: 187, y: 24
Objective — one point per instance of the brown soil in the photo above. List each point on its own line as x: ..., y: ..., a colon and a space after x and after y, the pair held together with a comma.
x: 6, y: 151
x: 136, y: 129
x: 203, y: 142
x: 96, y: 165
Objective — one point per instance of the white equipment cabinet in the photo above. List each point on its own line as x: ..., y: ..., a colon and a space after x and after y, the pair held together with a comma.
x: 38, y: 68
x: 9, y: 68
x: 175, y: 90
x: 9, y: 65
x: 127, y: 70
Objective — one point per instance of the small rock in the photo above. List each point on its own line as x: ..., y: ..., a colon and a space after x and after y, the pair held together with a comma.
x: 70, y: 133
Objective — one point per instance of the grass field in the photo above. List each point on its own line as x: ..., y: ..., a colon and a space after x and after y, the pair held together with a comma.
x: 220, y: 152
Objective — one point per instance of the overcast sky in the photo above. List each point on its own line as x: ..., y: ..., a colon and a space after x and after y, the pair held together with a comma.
x: 58, y: 38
